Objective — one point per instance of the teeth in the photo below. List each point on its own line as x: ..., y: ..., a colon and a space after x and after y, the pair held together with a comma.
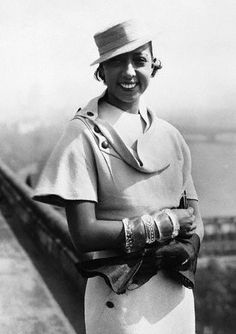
x: 128, y: 86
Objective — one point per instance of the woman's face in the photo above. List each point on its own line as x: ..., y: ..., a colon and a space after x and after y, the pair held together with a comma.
x: 127, y: 76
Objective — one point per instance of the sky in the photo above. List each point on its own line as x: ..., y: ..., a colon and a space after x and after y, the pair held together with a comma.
x: 46, y: 47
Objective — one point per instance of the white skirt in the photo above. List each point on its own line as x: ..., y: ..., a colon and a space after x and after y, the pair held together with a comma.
x: 161, y: 306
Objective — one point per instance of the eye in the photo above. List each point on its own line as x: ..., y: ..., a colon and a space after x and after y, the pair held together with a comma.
x: 115, y: 61
x: 140, y: 60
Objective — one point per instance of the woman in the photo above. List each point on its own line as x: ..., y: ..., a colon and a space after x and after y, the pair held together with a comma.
x: 120, y: 172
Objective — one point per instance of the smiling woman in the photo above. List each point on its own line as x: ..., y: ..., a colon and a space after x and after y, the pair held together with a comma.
x: 127, y: 76
x: 121, y: 172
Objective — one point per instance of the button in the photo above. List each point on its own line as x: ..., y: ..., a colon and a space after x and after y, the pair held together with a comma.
x: 89, y: 113
x: 105, y: 144
x: 96, y: 129
x: 109, y: 304
x: 141, y: 164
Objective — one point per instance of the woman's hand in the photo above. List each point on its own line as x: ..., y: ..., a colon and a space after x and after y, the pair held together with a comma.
x: 187, y: 221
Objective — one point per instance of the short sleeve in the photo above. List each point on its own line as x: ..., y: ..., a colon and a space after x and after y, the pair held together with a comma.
x: 70, y: 172
x: 188, y: 184
x: 190, y: 189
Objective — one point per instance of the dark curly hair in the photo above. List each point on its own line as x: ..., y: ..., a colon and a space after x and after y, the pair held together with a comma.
x: 98, y: 74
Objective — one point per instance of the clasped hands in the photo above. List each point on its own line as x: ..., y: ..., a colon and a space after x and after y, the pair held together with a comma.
x: 187, y: 222
x: 167, y: 234
x: 179, y: 253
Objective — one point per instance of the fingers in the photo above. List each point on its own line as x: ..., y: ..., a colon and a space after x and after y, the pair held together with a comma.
x: 188, y: 227
x: 187, y: 222
x: 189, y: 214
x: 193, y: 227
x: 191, y: 219
x: 187, y: 230
x: 190, y: 210
x: 184, y: 213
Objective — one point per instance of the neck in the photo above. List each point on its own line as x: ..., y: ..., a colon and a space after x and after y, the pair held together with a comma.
x: 130, y: 107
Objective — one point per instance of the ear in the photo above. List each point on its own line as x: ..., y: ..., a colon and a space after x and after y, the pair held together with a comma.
x: 156, y: 65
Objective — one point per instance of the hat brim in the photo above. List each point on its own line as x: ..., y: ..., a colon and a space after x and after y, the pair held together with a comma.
x: 123, y: 49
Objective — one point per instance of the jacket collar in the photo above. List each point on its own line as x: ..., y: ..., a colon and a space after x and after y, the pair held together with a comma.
x: 153, y: 147
x: 90, y: 111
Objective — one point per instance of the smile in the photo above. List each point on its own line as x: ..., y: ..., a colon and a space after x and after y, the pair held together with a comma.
x: 128, y: 85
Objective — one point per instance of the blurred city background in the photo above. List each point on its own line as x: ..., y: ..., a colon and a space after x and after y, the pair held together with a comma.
x: 45, y: 51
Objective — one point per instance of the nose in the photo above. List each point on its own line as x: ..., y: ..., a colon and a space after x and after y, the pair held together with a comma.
x: 129, y: 69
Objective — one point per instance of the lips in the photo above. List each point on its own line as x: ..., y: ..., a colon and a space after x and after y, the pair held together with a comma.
x: 129, y: 85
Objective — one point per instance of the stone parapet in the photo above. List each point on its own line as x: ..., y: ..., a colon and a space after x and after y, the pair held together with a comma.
x: 42, y: 222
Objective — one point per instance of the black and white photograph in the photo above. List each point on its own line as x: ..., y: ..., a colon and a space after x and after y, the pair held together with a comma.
x: 117, y: 167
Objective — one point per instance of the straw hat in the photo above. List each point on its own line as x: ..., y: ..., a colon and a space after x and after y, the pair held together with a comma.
x: 120, y: 38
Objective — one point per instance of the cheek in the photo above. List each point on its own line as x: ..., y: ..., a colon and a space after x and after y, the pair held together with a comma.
x: 110, y: 74
x: 111, y: 84
x: 145, y: 78
x: 110, y: 80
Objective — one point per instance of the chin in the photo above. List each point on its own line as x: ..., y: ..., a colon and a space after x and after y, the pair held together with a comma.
x: 130, y: 99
